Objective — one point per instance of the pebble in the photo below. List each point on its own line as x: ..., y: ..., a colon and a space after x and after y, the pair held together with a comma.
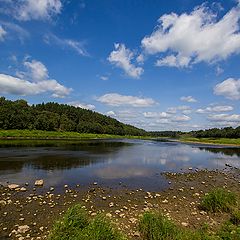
x: 23, y: 229
x: 39, y: 182
x: 13, y: 186
x: 184, y: 224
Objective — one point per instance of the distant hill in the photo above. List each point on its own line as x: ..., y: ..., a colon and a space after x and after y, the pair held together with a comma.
x: 60, y: 117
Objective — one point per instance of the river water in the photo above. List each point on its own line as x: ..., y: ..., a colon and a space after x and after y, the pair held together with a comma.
x: 111, y: 163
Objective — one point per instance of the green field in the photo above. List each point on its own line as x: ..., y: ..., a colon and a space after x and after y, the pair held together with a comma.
x: 38, y: 134
x: 223, y: 141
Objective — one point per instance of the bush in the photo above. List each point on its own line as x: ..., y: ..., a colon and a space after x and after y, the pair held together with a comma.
x: 75, y: 225
x: 218, y: 200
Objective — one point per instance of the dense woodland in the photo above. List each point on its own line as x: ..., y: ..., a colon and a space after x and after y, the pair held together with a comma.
x: 60, y: 117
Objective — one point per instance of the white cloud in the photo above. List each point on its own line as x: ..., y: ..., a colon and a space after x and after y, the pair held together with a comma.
x: 182, y: 118
x: 224, y: 117
x: 15, y: 31
x: 219, y: 71
x: 173, y: 61
x: 195, y: 37
x: 189, y: 99
x: 122, y: 57
x: 82, y: 105
x: 223, y: 108
x: 34, y: 9
x: 34, y: 81
x: 156, y: 115
x: 230, y: 88
x: 2, y: 33
x: 115, y: 99
x: 104, y: 78
x: 77, y: 46
x: 111, y: 113
x: 184, y: 109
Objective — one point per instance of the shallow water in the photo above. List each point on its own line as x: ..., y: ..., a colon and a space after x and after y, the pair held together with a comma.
x: 112, y: 163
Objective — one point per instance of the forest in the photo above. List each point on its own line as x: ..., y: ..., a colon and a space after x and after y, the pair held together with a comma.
x: 60, y: 117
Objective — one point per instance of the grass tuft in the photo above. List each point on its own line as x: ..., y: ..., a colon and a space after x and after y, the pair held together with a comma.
x: 235, y: 217
x: 75, y: 225
x: 218, y: 200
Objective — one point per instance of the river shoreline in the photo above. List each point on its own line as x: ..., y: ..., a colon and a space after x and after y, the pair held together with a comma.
x: 38, y: 208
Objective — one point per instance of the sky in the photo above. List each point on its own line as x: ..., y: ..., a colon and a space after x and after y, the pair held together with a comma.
x: 158, y: 65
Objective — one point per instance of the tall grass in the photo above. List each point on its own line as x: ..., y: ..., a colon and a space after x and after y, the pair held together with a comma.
x: 219, y: 200
x: 75, y: 225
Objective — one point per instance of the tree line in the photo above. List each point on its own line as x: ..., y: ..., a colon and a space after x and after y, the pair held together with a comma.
x: 60, y: 117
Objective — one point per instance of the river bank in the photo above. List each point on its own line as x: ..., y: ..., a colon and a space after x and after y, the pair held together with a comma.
x: 38, y: 209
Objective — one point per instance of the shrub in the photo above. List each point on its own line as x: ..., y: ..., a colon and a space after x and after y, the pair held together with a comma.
x: 218, y: 200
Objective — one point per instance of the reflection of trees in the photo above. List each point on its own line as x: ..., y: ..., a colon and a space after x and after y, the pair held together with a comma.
x: 226, y: 151
x: 56, y: 155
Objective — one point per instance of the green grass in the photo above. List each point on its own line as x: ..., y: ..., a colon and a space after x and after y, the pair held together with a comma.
x: 235, y: 217
x: 75, y: 225
x: 226, y: 141
x: 218, y: 200
x: 155, y: 226
x: 38, y: 134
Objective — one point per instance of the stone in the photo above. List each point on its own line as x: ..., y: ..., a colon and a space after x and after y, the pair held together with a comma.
x: 109, y: 215
x: 165, y: 201
x: 51, y: 188
x: 13, y: 186
x: 23, y: 189
x: 184, y: 224
x: 136, y: 234
x: 23, y: 228
x: 39, y: 182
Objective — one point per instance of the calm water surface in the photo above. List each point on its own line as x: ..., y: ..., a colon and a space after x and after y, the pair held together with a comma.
x: 133, y: 163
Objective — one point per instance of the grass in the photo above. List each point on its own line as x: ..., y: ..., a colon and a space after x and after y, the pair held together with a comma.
x: 155, y: 226
x: 75, y: 225
x: 235, y: 217
x: 38, y: 134
x: 218, y: 200
x: 224, y: 141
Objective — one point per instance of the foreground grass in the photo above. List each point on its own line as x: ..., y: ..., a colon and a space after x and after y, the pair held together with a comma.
x: 219, y: 200
x: 75, y: 225
x: 38, y: 134
x: 225, y: 141
x: 155, y: 226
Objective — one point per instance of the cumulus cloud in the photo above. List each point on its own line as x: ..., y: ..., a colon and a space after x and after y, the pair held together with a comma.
x: 2, y: 33
x: 32, y: 9
x: 195, y: 37
x: 184, y: 109
x: 230, y: 88
x: 156, y: 115
x: 223, y: 108
x: 115, y: 99
x: 111, y: 113
x: 189, y: 99
x: 224, y: 117
x: 76, y: 46
x: 182, y: 118
x: 82, y: 105
x: 122, y: 58
x: 34, y: 81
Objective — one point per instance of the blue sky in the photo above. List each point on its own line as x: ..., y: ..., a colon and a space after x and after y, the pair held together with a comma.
x: 159, y: 65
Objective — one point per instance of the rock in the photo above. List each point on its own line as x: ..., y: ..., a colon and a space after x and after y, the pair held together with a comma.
x: 3, y: 203
x: 111, y: 204
x: 136, y: 234
x: 23, y: 228
x: 39, y: 182
x: 157, y: 195
x: 104, y: 198
x: 192, y: 188
x: 184, y: 224
x: 51, y: 188
x: 109, y: 215
x: 23, y: 189
x: 95, y: 183
x: 165, y: 201
x: 133, y: 220
x: 13, y: 186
